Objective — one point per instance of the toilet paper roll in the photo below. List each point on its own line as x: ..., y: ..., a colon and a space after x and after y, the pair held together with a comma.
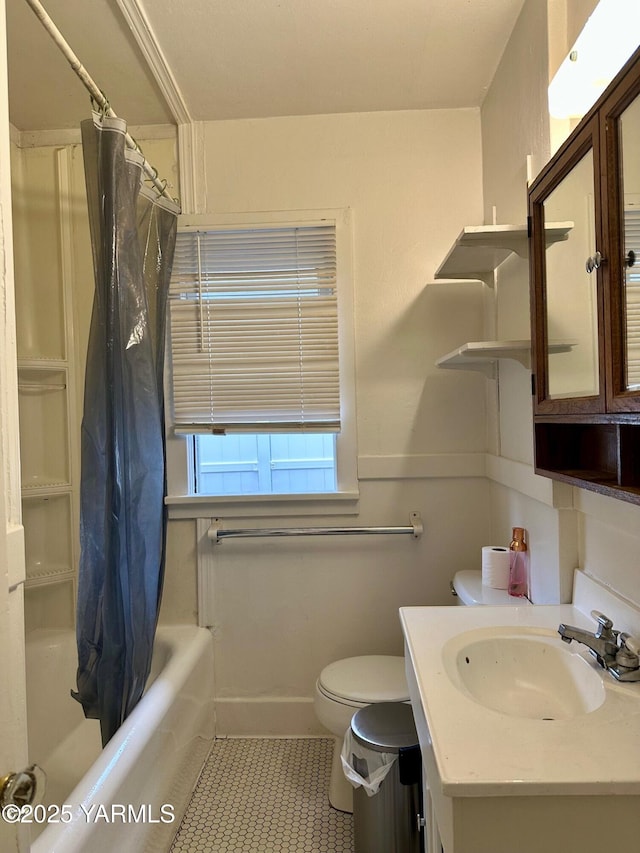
x: 495, y: 566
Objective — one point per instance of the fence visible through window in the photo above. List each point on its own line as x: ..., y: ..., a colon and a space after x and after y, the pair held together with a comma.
x: 277, y: 463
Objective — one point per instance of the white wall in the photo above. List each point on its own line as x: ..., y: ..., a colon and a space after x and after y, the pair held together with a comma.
x: 413, y: 180
x: 517, y: 100
x: 566, y: 20
x: 410, y: 178
x: 285, y: 609
x: 581, y: 529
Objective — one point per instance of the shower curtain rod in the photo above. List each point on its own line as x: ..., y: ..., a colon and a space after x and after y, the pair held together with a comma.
x: 93, y: 90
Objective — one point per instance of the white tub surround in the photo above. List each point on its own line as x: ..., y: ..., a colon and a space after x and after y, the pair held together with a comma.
x: 116, y: 795
x: 497, y: 782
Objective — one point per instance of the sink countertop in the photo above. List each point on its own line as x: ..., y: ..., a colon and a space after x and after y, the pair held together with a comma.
x: 480, y: 752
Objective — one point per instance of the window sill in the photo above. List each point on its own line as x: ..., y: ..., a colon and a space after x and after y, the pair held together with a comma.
x: 244, y: 506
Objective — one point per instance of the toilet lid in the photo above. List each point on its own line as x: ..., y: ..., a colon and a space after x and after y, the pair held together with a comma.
x: 372, y: 678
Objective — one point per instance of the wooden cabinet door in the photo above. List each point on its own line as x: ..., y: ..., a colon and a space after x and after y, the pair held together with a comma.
x: 567, y: 276
x: 620, y: 140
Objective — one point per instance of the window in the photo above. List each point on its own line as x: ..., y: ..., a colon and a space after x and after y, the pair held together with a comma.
x: 288, y: 463
x: 261, y: 359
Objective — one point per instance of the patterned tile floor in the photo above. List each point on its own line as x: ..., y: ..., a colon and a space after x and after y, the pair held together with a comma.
x: 265, y: 796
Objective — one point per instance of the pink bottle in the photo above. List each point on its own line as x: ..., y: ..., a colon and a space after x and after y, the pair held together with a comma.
x: 518, y: 564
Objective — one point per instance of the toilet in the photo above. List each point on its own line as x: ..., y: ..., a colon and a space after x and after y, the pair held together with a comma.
x: 346, y: 685
x: 470, y: 591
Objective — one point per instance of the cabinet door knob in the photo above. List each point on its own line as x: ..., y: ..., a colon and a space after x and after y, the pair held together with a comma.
x: 594, y: 262
x: 630, y: 258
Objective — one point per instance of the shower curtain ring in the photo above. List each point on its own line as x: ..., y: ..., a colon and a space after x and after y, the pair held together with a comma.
x: 104, y: 107
x: 154, y: 177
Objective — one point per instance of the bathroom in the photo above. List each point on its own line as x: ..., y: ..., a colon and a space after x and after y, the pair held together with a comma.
x: 454, y: 446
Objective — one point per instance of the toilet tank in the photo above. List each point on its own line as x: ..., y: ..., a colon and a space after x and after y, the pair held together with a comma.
x: 470, y: 591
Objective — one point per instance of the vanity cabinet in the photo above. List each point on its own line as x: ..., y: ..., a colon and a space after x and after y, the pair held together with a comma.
x: 585, y: 289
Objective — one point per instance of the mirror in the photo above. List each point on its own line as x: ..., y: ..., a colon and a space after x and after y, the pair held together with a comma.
x: 629, y: 134
x: 571, y: 291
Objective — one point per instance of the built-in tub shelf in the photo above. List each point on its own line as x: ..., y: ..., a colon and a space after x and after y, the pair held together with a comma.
x: 41, y: 362
x: 49, y: 576
x: 49, y: 531
x: 43, y: 488
x: 483, y: 355
x: 479, y: 249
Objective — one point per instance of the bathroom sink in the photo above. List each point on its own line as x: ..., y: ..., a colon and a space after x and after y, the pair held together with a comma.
x: 524, y: 673
x: 516, y: 727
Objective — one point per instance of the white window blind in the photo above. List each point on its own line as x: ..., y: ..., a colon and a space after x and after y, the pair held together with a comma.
x: 254, y: 330
x: 632, y: 296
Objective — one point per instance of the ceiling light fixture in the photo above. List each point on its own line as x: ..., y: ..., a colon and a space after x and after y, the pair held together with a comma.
x: 608, y: 39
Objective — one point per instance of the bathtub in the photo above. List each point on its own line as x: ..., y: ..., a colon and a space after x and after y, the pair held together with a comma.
x: 129, y: 797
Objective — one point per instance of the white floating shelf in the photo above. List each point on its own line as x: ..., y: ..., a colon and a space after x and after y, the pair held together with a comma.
x: 482, y: 355
x: 479, y: 249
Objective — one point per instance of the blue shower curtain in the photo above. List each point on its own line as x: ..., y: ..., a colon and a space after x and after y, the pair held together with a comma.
x: 122, y: 514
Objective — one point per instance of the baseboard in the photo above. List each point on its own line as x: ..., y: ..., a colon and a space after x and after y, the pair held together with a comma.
x: 288, y: 716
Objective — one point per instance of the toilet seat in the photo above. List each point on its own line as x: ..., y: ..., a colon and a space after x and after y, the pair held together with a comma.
x: 349, y: 703
x: 364, y: 680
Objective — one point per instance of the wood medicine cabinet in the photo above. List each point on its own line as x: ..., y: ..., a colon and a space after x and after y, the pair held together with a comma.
x: 586, y: 289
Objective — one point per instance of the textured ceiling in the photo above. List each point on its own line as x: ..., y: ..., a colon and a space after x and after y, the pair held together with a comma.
x: 256, y: 58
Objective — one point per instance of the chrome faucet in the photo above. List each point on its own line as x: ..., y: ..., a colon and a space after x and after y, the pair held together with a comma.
x: 603, y: 644
x: 615, y: 651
